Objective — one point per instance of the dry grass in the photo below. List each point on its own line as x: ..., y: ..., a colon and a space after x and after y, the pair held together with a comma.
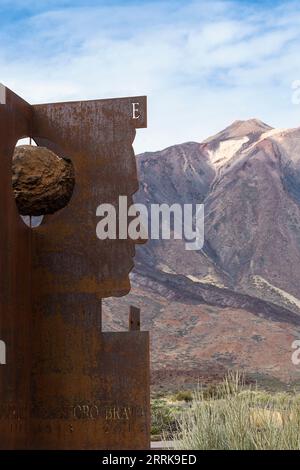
x: 239, y: 419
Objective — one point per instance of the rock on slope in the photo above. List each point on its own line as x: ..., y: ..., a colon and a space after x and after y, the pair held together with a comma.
x: 237, y: 301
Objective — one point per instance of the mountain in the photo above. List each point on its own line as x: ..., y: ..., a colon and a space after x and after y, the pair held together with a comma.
x: 236, y: 302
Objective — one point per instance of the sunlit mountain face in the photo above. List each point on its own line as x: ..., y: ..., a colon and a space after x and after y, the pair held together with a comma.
x: 236, y: 302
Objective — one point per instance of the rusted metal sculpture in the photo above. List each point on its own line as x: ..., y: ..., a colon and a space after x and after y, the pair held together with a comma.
x: 66, y: 384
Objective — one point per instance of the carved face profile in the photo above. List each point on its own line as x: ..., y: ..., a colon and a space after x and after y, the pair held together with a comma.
x: 70, y: 268
x: 70, y: 262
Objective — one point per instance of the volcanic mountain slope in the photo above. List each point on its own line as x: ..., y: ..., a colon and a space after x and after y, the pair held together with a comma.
x: 236, y: 302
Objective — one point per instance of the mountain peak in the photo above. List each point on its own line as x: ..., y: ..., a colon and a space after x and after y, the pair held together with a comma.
x: 239, y: 129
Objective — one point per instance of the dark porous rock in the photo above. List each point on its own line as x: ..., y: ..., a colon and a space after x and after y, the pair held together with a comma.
x: 42, y: 182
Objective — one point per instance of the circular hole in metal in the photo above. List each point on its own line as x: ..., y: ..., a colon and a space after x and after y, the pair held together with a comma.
x: 30, y: 221
x: 42, y: 181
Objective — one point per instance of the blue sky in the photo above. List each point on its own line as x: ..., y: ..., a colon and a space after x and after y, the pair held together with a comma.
x: 203, y: 64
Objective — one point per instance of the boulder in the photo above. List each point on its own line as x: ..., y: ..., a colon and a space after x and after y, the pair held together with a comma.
x: 42, y: 182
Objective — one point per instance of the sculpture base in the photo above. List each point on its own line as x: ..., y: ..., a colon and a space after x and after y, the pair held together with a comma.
x: 102, y: 404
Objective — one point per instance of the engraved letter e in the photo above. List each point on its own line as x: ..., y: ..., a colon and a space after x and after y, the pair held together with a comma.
x: 135, y: 111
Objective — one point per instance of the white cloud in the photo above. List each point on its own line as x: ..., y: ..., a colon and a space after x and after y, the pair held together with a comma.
x: 202, y: 64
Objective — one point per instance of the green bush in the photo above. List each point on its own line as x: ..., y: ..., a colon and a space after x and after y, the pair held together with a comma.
x: 186, y: 396
x: 164, y: 419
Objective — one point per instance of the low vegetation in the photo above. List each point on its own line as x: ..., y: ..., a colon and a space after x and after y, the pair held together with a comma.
x: 236, y: 417
x: 229, y: 416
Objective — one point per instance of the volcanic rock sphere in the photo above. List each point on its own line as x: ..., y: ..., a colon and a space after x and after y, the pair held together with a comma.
x: 42, y: 182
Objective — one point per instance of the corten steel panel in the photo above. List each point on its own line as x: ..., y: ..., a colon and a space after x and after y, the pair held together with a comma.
x: 97, y: 401
x: 53, y: 279
x: 15, y: 271
x: 98, y: 137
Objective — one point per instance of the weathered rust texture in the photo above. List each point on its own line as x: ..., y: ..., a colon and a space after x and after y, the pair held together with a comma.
x: 52, y: 281
x: 134, y: 319
x: 97, y: 402
x: 15, y: 286
x: 97, y: 136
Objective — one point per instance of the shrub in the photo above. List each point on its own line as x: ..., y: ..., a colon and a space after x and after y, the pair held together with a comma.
x: 186, y: 396
x: 164, y: 419
x: 239, y: 419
